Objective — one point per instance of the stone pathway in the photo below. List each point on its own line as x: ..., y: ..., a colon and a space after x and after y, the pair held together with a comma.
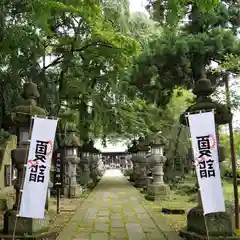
x: 115, y: 210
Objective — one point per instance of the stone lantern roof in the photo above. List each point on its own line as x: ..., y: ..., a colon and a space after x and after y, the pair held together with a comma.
x: 89, y: 147
x: 21, y: 114
x: 71, y: 140
x: 133, y: 148
x: 203, y: 89
x: 142, y: 145
x: 157, y: 139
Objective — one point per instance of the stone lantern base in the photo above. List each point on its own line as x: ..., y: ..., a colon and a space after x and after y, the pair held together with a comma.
x: 86, y: 179
x: 140, y: 183
x: 145, y: 188
x: 220, y: 225
x: 157, y: 192
x: 75, y: 191
x: 133, y: 177
x: 24, y: 226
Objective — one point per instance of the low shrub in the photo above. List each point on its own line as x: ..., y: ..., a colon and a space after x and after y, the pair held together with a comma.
x: 127, y: 172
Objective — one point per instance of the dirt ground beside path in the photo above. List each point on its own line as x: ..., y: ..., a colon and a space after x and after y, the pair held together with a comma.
x: 67, y: 210
x: 57, y: 221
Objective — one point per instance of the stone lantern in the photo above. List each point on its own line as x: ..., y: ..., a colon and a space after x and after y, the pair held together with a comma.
x: 71, y: 144
x: 157, y: 190
x: 21, y: 120
x: 219, y: 224
x: 84, y: 163
x: 141, y: 161
x: 101, y: 168
x: 93, y: 161
x: 133, y: 151
x: 128, y: 160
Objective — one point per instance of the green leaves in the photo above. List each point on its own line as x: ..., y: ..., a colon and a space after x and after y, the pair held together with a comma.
x: 171, y: 12
x: 102, y: 68
x: 231, y: 62
x: 207, y: 5
x: 193, y: 34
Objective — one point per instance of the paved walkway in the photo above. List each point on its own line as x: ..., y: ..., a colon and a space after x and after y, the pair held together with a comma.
x: 115, y: 210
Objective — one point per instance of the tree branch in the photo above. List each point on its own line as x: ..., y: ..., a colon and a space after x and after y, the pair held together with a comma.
x: 97, y: 44
x: 59, y: 59
x: 53, y: 63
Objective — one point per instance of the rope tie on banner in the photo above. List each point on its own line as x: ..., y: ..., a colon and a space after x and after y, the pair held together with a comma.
x: 187, y: 121
x: 30, y: 114
x: 25, y: 167
x: 199, y: 112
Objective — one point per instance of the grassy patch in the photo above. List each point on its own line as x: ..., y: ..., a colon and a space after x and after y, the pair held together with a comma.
x: 184, y: 197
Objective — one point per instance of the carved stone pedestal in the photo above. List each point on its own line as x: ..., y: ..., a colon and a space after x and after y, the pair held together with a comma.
x: 133, y: 177
x: 86, y: 178
x: 145, y: 188
x: 141, y: 179
x: 71, y: 144
x: 134, y: 174
x: 158, y: 192
x: 24, y: 226
x: 93, y: 169
x: 72, y: 189
x: 220, y: 225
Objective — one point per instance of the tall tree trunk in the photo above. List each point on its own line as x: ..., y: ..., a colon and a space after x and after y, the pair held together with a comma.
x: 84, y: 119
x: 198, y: 61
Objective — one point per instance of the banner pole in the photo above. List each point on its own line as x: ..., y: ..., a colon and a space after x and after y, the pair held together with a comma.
x: 58, y: 197
x: 24, y: 172
x: 206, y: 226
x: 199, y: 190
x: 233, y: 154
x: 204, y: 216
x: 23, y: 178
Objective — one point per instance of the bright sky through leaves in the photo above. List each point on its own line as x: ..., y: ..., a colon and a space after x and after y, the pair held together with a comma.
x: 135, y: 6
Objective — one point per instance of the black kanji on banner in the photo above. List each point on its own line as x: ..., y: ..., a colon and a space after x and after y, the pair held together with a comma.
x: 204, y: 146
x: 206, y: 168
x: 37, y: 172
x: 41, y: 151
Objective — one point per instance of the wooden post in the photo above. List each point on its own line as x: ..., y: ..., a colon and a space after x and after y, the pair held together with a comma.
x: 58, y: 197
x: 233, y: 155
x: 46, y: 205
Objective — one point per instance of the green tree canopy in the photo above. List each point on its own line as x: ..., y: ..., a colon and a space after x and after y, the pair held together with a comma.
x: 185, y: 50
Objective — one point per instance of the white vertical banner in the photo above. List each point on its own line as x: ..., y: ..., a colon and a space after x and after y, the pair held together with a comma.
x: 38, y: 166
x: 205, y: 152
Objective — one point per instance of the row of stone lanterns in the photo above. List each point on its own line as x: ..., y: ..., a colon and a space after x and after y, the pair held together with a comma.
x: 133, y: 152
x: 21, y: 125
x: 94, y: 156
x: 71, y: 144
x: 218, y: 224
x: 21, y: 122
x: 86, y: 156
x: 89, y: 164
x: 157, y: 190
x: 148, y: 153
x: 141, y: 161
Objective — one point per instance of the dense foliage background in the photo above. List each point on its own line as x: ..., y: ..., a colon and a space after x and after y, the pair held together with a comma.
x: 113, y: 73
